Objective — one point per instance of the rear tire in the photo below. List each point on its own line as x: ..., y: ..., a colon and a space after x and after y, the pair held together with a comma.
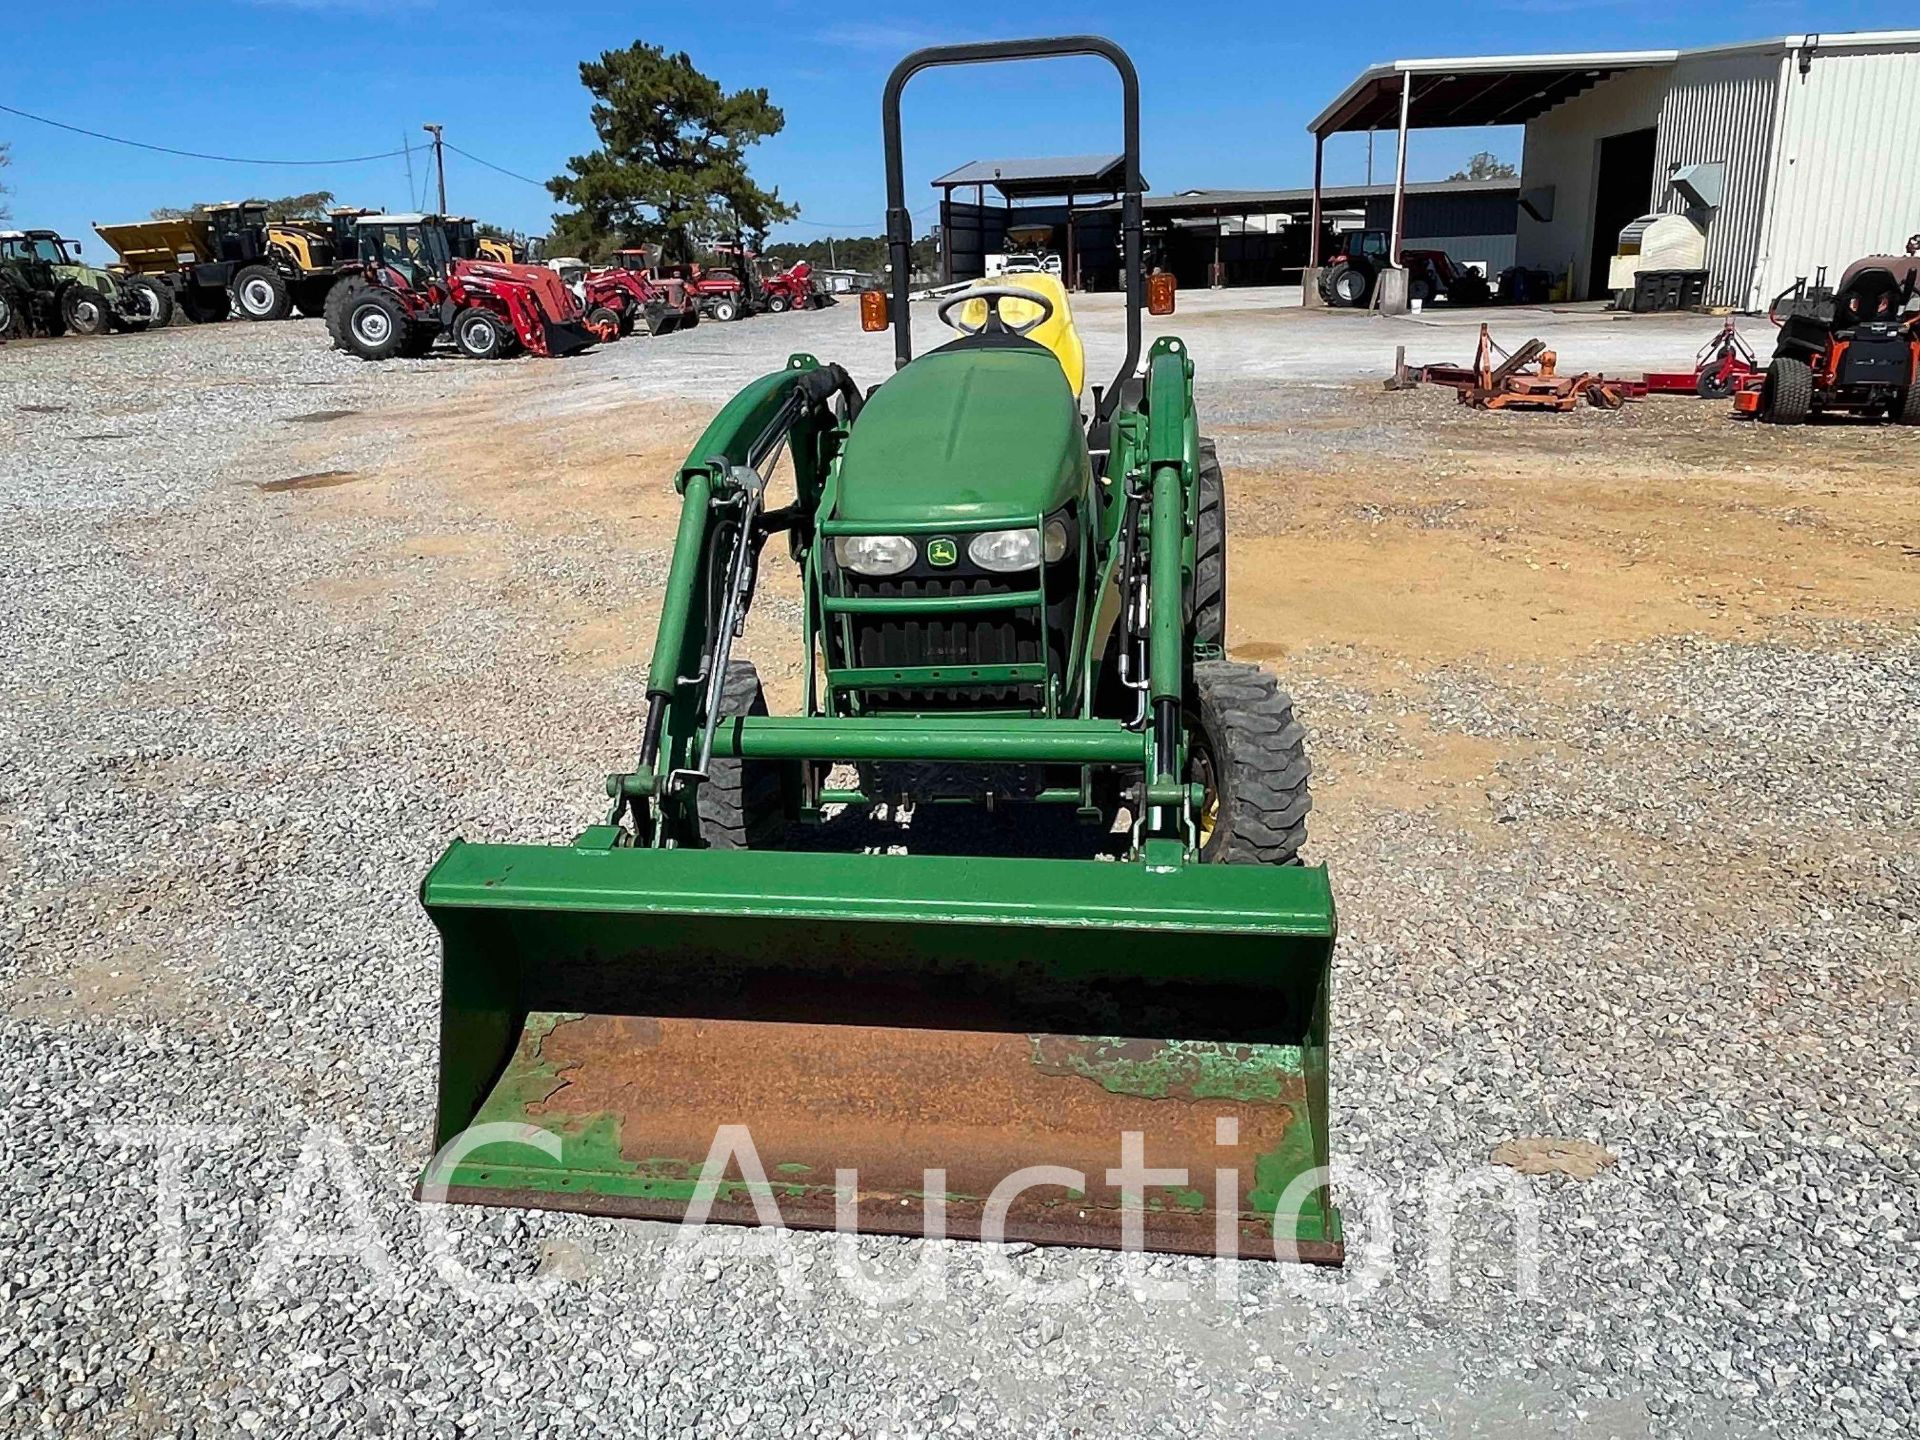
x: 374, y: 323
x: 205, y: 306
x: 1787, y: 397
x: 260, y: 293
x: 85, y: 310
x: 739, y: 805
x: 479, y: 334
x: 1349, y: 286
x: 1210, y: 553
x: 310, y: 297
x: 1250, y: 754
x: 1908, y: 411
x: 1469, y: 288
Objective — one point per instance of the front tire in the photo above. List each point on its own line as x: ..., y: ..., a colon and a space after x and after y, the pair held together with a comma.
x: 260, y: 293
x: 739, y: 805
x: 374, y: 323
x: 1787, y: 396
x: 156, y: 299
x: 480, y: 334
x: 724, y: 309
x: 776, y: 304
x: 12, y: 310
x: 1210, y: 553
x: 604, y: 322
x: 1250, y: 757
x: 1908, y: 411
x: 84, y: 309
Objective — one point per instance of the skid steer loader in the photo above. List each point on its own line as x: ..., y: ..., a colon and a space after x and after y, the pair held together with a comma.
x: 1013, y: 600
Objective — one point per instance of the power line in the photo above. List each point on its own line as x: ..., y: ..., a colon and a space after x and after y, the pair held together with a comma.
x: 192, y: 154
x: 511, y: 174
x: 811, y: 224
x: 850, y: 230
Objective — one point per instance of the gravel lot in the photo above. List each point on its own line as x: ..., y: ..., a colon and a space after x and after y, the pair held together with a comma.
x: 1636, y: 863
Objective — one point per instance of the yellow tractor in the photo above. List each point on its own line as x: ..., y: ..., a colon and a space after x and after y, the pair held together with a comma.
x: 231, y: 257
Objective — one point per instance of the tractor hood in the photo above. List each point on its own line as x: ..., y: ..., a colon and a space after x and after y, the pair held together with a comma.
x: 968, y: 433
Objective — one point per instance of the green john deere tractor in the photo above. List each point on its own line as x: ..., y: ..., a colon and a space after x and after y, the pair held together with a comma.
x: 1012, y: 601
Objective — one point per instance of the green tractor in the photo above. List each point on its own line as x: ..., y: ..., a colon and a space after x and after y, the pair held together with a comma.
x: 29, y: 293
x: 1014, y: 605
x: 86, y: 299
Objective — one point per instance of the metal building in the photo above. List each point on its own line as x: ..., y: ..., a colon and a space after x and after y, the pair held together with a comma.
x: 1809, y: 140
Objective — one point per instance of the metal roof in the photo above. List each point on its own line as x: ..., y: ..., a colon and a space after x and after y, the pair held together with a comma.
x: 1512, y: 89
x: 1475, y: 90
x: 1256, y: 202
x: 1045, y: 175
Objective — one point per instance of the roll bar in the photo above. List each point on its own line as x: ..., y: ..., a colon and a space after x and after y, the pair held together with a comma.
x: 900, y: 220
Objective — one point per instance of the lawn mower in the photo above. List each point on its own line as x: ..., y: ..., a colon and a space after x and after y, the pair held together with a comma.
x: 1349, y: 278
x: 412, y: 289
x: 1100, y: 951
x: 1859, y: 353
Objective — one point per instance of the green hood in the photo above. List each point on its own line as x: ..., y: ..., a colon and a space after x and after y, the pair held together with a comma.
x: 965, y: 434
x: 101, y: 280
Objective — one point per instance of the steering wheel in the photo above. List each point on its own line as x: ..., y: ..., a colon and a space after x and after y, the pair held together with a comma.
x: 995, y: 324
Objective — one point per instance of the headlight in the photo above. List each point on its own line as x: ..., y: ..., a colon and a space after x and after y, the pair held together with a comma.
x: 1054, y: 541
x: 875, y: 554
x: 1005, y: 550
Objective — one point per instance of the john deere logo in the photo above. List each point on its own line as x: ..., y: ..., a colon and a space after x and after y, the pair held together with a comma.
x: 942, y: 552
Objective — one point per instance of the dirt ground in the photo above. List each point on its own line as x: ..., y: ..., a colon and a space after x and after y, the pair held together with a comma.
x: 1377, y: 538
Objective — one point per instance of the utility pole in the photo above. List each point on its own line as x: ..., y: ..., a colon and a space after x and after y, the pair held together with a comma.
x: 439, y: 164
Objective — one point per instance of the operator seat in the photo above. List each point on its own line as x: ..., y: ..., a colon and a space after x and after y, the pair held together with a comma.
x: 1057, y: 334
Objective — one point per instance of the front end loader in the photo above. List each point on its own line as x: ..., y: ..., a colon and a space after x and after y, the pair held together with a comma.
x: 1092, y: 1007
x: 412, y: 287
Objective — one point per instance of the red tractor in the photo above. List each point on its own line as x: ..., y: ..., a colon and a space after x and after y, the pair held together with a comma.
x: 412, y: 289
x: 1348, y: 279
x: 658, y: 307
x: 789, y: 289
x: 719, y: 293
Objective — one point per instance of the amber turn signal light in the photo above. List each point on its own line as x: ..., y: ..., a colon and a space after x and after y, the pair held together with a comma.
x: 1160, y: 294
x: 873, y: 310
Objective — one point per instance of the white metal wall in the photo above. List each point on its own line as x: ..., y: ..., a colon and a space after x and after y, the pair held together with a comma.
x: 1563, y: 150
x: 1721, y: 109
x: 1847, y: 167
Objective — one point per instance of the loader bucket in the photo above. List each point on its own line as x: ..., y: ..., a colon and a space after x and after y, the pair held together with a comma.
x: 869, y: 1019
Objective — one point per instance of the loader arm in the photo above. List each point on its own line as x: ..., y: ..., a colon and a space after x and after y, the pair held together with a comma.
x: 960, y: 1039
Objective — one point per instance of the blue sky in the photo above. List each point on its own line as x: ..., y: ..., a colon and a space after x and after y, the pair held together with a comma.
x: 1227, y: 91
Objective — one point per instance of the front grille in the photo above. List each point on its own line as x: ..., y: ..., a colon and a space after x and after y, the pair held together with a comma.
x: 1007, y: 637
